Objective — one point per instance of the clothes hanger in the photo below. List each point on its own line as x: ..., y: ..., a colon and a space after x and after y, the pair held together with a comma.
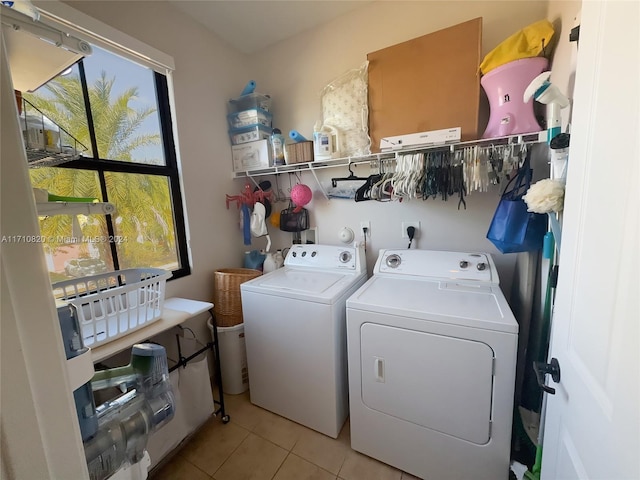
x: 248, y: 197
x: 364, y: 192
x: 351, y: 177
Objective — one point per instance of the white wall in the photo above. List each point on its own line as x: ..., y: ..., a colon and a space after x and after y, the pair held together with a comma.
x: 295, y: 71
x: 208, y: 73
x: 564, y: 15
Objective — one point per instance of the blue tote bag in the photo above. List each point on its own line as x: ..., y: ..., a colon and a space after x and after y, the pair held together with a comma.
x: 514, y: 229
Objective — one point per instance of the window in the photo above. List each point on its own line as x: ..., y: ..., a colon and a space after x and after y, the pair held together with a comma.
x: 120, y: 111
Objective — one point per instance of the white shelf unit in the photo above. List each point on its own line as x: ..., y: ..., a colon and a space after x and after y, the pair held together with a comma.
x: 376, y: 158
x: 74, y: 208
x: 80, y: 369
x: 175, y: 312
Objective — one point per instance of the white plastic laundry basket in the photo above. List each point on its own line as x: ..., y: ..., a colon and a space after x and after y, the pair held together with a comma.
x: 110, y: 305
x: 233, y: 358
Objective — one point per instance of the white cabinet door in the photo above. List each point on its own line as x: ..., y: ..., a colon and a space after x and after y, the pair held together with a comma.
x: 592, y: 426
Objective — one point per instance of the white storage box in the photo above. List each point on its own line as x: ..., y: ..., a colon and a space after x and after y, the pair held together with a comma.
x: 113, y: 304
x: 251, y: 156
x: 249, y: 134
x: 233, y: 358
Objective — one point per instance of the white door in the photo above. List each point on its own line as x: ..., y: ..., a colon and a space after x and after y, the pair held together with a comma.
x: 592, y: 426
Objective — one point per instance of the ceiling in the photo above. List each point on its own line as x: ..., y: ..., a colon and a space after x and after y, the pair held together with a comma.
x: 252, y: 25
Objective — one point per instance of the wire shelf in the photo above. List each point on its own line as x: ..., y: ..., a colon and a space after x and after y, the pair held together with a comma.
x: 46, y: 143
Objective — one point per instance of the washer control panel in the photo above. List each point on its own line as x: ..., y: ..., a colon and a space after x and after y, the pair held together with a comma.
x: 437, y: 264
x: 340, y: 257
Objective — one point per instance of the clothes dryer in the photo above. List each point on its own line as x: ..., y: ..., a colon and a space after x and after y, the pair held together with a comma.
x: 432, y: 350
x: 295, y: 333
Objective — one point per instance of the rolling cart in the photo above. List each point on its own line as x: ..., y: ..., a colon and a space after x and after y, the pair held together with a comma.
x: 183, y: 361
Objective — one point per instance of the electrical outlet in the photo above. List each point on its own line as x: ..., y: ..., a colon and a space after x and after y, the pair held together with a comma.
x: 366, y: 224
x: 415, y: 225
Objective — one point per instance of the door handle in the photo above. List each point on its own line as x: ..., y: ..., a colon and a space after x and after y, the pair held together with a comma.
x: 543, y: 369
x: 378, y: 369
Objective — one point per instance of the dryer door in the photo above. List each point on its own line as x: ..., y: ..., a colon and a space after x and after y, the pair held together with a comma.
x: 438, y: 382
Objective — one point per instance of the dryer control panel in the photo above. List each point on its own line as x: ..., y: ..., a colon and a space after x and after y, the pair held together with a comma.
x: 326, y: 257
x: 477, y: 267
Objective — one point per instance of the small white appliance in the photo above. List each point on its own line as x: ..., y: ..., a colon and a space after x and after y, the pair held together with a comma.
x: 433, y: 137
x: 543, y: 91
x: 432, y: 350
x: 295, y: 334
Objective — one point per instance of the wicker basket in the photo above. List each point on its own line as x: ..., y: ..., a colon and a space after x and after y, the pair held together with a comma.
x: 227, y: 304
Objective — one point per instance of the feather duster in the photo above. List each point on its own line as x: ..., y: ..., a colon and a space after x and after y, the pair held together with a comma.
x: 545, y: 196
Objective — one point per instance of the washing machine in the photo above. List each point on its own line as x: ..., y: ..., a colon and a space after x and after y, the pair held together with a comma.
x: 295, y: 334
x: 432, y: 350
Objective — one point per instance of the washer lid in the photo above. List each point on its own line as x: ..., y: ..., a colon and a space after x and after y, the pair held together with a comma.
x: 457, y: 303
x: 310, y: 285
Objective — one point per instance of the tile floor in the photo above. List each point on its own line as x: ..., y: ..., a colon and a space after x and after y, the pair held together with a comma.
x: 259, y: 445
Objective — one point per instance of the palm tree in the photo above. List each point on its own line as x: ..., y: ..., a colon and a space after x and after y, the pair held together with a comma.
x: 144, y: 215
x: 116, y: 123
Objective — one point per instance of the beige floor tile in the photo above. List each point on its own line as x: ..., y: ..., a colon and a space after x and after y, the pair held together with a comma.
x: 213, y: 444
x: 278, y: 430
x: 255, y: 459
x: 345, y: 434
x: 360, y: 467
x: 243, y: 412
x: 296, y: 468
x: 321, y: 450
x: 178, y: 468
x: 235, y: 399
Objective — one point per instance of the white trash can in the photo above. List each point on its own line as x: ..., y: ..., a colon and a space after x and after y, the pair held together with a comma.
x: 233, y: 358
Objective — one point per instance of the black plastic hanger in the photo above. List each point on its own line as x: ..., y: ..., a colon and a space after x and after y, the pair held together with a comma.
x: 364, y: 192
x: 334, y: 181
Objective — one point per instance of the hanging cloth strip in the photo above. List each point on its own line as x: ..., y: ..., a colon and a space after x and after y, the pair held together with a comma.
x: 457, y: 177
x: 246, y: 223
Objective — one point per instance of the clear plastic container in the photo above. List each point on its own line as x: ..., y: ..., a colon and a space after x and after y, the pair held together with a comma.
x: 252, y: 133
x: 248, y: 118
x: 277, y: 147
x: 249, y: 102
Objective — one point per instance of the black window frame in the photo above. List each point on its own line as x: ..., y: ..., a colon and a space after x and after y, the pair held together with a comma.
x: 169, y: 170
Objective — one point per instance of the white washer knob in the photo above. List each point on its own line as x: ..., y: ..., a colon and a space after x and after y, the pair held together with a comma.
x: 346, y: 235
